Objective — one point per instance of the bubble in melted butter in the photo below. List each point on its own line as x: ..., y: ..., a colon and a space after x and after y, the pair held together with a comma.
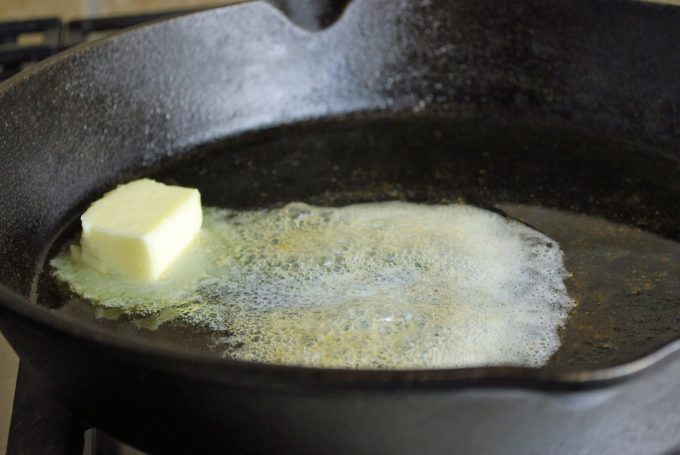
x: 379, y: 285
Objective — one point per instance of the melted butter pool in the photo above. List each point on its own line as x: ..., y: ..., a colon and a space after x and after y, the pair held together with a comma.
x: 380, y: 285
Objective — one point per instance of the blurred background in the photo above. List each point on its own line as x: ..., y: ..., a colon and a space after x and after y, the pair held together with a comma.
x: 79, y: 9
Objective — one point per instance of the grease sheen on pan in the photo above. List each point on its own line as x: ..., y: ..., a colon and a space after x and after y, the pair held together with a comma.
x: 377, y: 285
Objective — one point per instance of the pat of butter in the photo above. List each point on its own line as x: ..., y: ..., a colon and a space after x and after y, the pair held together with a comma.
x: 140, y: 228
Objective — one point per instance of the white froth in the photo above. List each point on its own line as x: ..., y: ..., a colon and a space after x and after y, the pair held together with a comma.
x: 382, y: 285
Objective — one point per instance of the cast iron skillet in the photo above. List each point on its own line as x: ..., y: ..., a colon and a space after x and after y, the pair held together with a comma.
x: 563, y: 104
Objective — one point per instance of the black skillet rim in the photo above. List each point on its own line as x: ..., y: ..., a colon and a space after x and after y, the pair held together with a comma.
x: 250, y: 375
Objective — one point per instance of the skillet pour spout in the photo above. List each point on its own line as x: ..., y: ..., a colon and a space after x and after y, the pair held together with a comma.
x: 567, y: 107
x: 312, y: 14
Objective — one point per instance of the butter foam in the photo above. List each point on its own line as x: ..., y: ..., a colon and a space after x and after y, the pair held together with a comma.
x: 379, y: 285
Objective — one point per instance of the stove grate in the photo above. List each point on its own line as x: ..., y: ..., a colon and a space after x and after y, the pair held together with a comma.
x: 25, y: 42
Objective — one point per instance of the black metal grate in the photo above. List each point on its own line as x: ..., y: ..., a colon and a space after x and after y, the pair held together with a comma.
x: 23, y: 43
x: 14, y: 55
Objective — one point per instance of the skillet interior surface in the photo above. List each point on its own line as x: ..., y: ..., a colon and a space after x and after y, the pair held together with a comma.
x: 610, y: 205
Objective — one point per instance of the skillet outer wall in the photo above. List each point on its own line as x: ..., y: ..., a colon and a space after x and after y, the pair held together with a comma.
x: 171, y: 405
x: 83, y: 122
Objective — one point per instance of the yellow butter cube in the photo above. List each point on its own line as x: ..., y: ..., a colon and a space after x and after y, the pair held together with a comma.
x: 140, y: 228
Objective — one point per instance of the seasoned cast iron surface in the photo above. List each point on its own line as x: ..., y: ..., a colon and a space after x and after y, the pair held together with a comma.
x: 624, y: 277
